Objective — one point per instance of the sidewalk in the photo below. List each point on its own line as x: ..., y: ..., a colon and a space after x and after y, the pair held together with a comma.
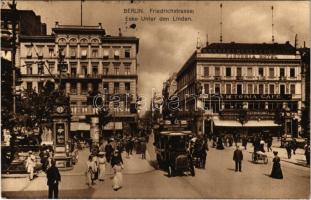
x: 298, y: 159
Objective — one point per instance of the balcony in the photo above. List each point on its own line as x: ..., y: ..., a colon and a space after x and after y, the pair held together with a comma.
x: 81, y: 76
x: 217, y: 78
x: 282, y: 78
x: 83, y: 110
x: 239, y: 77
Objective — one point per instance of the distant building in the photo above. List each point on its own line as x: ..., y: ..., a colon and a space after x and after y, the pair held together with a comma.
x: 221, y: 80
x: 97, y: 63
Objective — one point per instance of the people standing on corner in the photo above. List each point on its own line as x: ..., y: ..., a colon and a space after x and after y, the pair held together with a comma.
x: 101, y: 166
x: 30, y: 164
x: 276, y: 168
x: 54, y: 178
x: 288, y: 150
x: 238, y: 157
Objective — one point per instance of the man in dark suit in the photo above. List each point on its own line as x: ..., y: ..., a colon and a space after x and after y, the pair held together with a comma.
x: 53, y: 177
x: 238, y: 157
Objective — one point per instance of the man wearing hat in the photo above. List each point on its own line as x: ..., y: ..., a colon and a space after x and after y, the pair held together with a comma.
x: 238, y: 157
x: 102, y: 165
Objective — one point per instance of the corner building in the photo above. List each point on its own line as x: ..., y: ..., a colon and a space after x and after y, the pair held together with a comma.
x: 257, y: 78
x: 97, y: 63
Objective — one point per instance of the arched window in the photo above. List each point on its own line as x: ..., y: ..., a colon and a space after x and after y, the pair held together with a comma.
x: 62, y: 41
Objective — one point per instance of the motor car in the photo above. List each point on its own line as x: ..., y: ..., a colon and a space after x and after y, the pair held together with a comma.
x: 172, y: 152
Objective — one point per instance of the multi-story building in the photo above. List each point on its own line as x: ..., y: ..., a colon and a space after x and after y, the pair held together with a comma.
x: 97, y: 63
x: 224, y: 80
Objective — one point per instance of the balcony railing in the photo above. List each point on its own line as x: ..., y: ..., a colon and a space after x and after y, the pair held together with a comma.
x: 83, y: 110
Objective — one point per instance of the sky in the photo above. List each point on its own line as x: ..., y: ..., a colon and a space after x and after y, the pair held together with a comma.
x: 165, y: 46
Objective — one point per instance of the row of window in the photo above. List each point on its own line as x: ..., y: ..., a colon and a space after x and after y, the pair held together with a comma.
x: 73, y: 69
x: 251, y: 89
x: 83, y: 53
x: 86, y: 87
x: 250, y: 72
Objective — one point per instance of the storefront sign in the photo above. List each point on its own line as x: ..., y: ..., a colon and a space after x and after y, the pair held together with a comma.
x: 256, y: 97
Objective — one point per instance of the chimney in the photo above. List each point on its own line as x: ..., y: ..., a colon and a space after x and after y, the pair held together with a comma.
x: 56, y: 24
x: 304, y: 44
x: 100, y: 25
x: 206, y: 39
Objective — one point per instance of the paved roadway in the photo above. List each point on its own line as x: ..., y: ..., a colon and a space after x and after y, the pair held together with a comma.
x: 218, y: 180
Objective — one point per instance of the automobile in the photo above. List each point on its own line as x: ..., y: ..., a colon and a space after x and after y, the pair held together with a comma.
x: 172, y: 152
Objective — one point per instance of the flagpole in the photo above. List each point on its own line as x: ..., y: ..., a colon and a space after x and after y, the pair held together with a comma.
x: 81, y: 10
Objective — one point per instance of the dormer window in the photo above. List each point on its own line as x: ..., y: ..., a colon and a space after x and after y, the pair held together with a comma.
x: 62, y: 42
x: 116, y: 54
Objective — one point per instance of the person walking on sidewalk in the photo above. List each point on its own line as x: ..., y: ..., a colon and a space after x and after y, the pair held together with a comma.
x: 101, y: 166
x: 30, y: 164
x: 244, y: 141
x: 238, y: 157
x: 117, y: 180
x: 269, y: 143
x: 54, y: 178
x: 289, y: 150
x: 143, y: 149
x: 89, y: 171
x: 294, y: 145
x: 109, y: 150
x: 276, y: 168
x: 116, y: 158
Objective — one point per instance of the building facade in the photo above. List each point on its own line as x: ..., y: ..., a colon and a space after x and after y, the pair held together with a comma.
x: 97, y: 64
x: 234, y: 85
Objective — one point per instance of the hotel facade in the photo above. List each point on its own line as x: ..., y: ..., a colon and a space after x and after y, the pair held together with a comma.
x: 224, y: 87
x: 96, y: 64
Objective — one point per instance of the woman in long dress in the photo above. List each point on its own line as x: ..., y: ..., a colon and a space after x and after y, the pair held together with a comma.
x: 118, y: 177
x: 276, y: 168
x: 89, y: 171
x: 101, y: 166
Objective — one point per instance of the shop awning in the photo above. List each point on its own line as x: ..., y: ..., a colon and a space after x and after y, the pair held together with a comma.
x: 227, y: 123
x: 251, y: 123
x: 79, y: 126
x: 113, y: 126
x: 261, y: 123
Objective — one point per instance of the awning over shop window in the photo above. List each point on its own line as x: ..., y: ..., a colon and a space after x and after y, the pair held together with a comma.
x: 79, y: 126
x: 227, y: 123
x: 113, y: 126
x: 261, y: 123
x: 251, y: 123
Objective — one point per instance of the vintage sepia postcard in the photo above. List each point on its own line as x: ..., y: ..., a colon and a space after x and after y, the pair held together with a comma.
x: 126, y: 99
